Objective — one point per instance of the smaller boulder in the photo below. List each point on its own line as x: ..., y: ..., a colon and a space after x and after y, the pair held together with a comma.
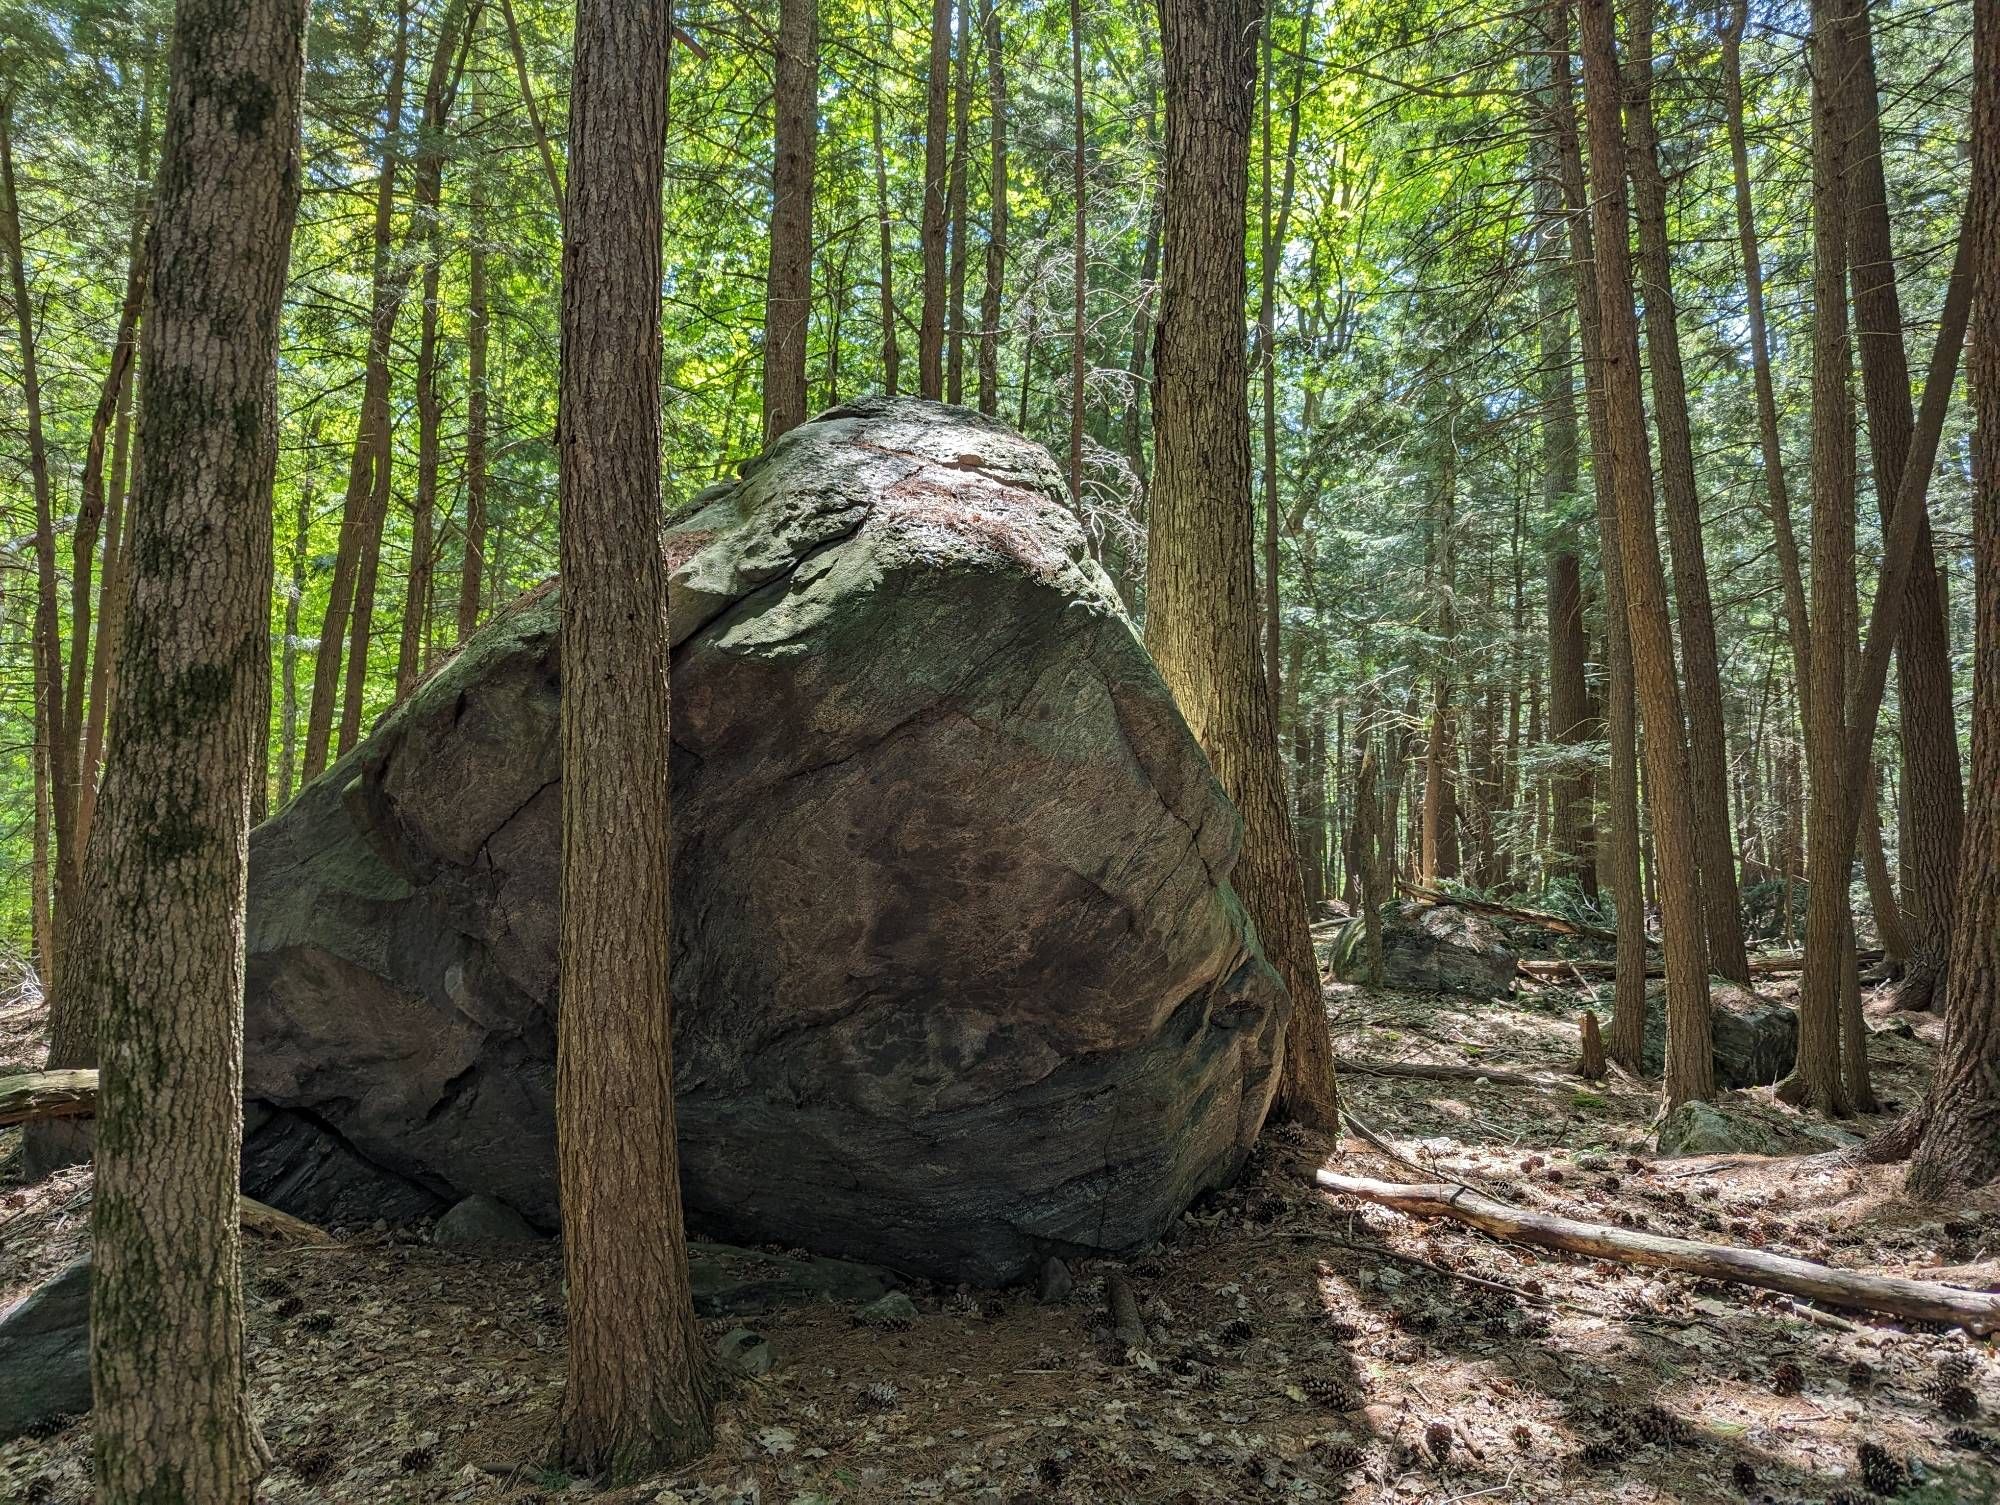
x: 479, y: 1221
x: 892, y: 1313
x: 1055, y: 1283
x: 1436, y: 948
x: 1754, y: 1041
x: 1705, y: 1129
x: 745, y: 1353
x: 733, y: 1282
x: 45, y: 1351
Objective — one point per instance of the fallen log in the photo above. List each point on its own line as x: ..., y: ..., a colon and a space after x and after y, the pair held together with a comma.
x: 1544, y: 971
x: 1976, y: 1311
x: 47, y: 1094
x: 1541, y: 917
x: 1124, y: 1310
x: 282, y: 1226
x: 1431, y: 1072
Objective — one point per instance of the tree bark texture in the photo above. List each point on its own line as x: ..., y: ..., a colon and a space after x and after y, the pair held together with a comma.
x: 788, y: 285
x: 1201, y: 621
x: 163, y: 965
x: 638, y: 1396
x: 937, y: 146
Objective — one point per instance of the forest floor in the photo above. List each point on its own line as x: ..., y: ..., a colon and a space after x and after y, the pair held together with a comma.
x: 1306, y: 1347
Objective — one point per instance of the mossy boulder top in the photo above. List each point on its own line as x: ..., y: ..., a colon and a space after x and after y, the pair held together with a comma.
x: 959, y: 980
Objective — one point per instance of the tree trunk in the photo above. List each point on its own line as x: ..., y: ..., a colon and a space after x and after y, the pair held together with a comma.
x: 955, y: 202
x: 788, y: 287
x: 550, y: 175
x: 371, y: 434
x: 1708, y: 758
x: 1079, y: 363
x: 639, y: 1393
x: 892, y: 352
x: 472, y: 563
x: 1960, y: 1142
x: 1931, y: 779
x: 937, y: 138
x: 1440, y: 858
x: 996, y: 232
x: 56, y: 739
x: 1690, y: 1071
x: 1817, y: 1080
x: 288, y: 708
x: 163, y: 963
x: 1201, y: 623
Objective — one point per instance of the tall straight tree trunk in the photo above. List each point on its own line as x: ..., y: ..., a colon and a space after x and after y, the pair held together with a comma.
x: 1079, y: 364
x: 110, y: 603
x: 1932, y: 785
x: 163, y: 964
x: 1770, y: 448
x: 1708, y: 758
x: 1573, y: 837
x: 892, y: 352
x: 1440, y: 859
x: 1817, y: 1080
x: 955, y: 203
x: 996, y: 224
x: 937, y: 140
x: 288, y: 672
x: 1960, y: 1143
x: 788, y: 286
x: 371, y: 448
x: 639, y: 1393
x: 472, y: 566
x: 1201, y: 621
x: 1690, y: 1070
x: 56, y: 739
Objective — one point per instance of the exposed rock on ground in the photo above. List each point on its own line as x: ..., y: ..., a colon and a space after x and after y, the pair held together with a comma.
x: 45, y: 1352
x: 959, y: 980
x: 1434, y: 949
x: 1755, y: 1040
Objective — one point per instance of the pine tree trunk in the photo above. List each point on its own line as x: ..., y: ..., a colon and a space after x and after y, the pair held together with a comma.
x: 639, y: 1393
x: 892, y: 352
x: 110, y: 603
x: 1440, y: 859
x: 472, y: 559
x: 1708, y: 758
x: 288, y: 673
x: 1201, y: 622
x: 788, y: 286
x: 55, y: 739
x: 1079, y: 362
x: 937, y: 141
x: 955, y: 202
x: 996, y: 233
x: 1960, y: 1142
x: 1817, y: 1080
x: 371, y: 447
x: 1931, y: 777
x: 1621, y: 845
x: 163, y: 964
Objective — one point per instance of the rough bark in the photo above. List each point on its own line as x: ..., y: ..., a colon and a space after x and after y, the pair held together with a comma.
x: 1701, y: 674
x: 1960, y: 1142
x: 1690, y: 1072
x: 371, y: 449
x: 892, y: 352
x: 638, y: 1395
x: 1932, y: 786
x: 937, y: 140
x: 472, y: 556
x: 1201, y: 623
x: 955, y: 202
x: 163, y: 967
x: 1440, y: 856
x: 788, y: 283
x: 288, y: 664
x: 992, y: 288
x: 1079, y: 360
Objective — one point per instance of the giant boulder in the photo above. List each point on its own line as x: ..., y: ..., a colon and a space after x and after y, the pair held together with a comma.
x: 959, y: 979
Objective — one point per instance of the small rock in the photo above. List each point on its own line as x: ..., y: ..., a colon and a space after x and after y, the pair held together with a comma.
x: 746, y: 1353
x: 891, y: 1313
x: 45, y: 1351
x: 1055, y: 1283
x: 480, y: 1220
x: 1704, y: 1129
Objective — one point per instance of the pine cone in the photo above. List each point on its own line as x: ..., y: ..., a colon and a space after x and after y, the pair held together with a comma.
x: 1954, y: 1401
x: 418, y: 1460
x: 1881, y: 1470
x: 1860, y: 1374
x: 1743, y: 1476
x: 1331, y: 1391
x: 1965, y: 1439
x: 1437, y: 1440
x: 881, y: 1396
x: 312, y: 1465
x: 1052, y: 1471
x: 1339, y: 1457
x: 50, y: 1426
x: 1788, y: 1379
x: 1236, y: 1332
x: 1655, y: 1424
